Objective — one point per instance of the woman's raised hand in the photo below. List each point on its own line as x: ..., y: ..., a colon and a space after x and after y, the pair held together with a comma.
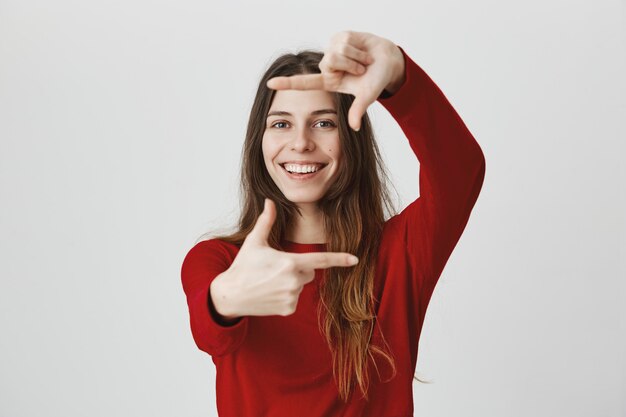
x: 357, y: 63
x: 263, y: 281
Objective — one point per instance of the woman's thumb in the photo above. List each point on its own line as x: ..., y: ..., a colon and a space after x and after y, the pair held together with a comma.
x: 264, y: 223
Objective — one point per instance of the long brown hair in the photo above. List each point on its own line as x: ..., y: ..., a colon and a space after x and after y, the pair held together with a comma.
x: 354, y: 210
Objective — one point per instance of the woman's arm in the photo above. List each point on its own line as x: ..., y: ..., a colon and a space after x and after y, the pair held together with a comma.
x: 213, y: 333
x: 452, y: 170
x: 452, y: 165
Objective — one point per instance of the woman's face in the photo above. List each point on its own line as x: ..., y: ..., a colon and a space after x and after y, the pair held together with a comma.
x: 302, y: 135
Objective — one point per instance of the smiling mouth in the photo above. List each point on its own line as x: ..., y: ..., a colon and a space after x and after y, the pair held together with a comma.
x: 302, y: 175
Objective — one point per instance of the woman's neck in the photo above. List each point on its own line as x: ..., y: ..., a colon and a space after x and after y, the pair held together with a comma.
x: 308, y: 228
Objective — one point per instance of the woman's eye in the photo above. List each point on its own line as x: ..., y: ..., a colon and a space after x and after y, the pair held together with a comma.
x: 278, y: 123
x: 329, y: 123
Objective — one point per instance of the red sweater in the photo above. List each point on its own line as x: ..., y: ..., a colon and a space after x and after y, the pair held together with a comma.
x: 279, y: 366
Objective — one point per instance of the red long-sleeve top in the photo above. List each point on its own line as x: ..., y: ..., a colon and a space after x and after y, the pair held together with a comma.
x: 281, y: 366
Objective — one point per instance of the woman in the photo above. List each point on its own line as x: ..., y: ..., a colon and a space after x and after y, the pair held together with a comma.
x: 294, y: 324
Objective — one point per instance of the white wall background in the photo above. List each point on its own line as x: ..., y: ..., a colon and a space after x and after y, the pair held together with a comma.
x: 121, y: 126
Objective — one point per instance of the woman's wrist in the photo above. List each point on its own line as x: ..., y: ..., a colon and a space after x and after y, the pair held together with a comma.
x: 399, y: 76
x: 222, y: 298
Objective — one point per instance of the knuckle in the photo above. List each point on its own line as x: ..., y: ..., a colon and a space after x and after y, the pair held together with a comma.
x: 288, y: 309
x: 331, y: 59
x: 289, y: 264
x: 323, y: 66
x: 293, y: 286
x: 331, y: 81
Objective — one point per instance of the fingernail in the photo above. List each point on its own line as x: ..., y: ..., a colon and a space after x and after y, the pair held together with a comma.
x: 354, y: 260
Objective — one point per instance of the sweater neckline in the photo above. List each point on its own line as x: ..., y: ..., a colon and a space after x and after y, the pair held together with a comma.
x: 304, y: 246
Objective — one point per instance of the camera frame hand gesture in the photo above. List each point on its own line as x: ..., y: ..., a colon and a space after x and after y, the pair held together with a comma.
x: 357, y: 63
x: 263, y: 281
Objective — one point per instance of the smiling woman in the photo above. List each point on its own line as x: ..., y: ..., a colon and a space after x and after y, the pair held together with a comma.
x: 302, y: 133
x: 314, y: 194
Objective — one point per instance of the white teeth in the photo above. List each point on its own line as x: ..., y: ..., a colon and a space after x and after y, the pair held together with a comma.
x: 302, y: 168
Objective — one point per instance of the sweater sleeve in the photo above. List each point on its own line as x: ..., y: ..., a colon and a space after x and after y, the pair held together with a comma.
x: 205, y: 261
x: 451, y: 173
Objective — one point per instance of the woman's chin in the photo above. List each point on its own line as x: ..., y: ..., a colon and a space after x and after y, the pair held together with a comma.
x: 303, y: 198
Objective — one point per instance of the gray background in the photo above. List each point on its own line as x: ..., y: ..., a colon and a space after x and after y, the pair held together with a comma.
x: 121, y: 125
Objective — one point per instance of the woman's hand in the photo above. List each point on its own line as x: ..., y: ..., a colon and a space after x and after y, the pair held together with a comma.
x: 357, y: 63
x: 263, y: 281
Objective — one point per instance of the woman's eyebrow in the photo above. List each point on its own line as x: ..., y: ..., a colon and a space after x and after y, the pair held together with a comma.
x: 313, y: 113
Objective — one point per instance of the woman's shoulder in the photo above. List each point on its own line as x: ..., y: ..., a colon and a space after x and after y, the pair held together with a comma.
x: 205, y: 260
x: 215, y: 242
x: 213, y: 248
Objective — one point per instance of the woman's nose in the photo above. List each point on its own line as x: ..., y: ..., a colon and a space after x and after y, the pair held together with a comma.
x: 302, y: 141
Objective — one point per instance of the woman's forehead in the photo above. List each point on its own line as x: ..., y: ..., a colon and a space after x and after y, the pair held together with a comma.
x: 302, y: 101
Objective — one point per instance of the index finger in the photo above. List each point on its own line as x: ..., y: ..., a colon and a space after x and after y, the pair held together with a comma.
x: 297, y: 82
x: 323, y: 260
